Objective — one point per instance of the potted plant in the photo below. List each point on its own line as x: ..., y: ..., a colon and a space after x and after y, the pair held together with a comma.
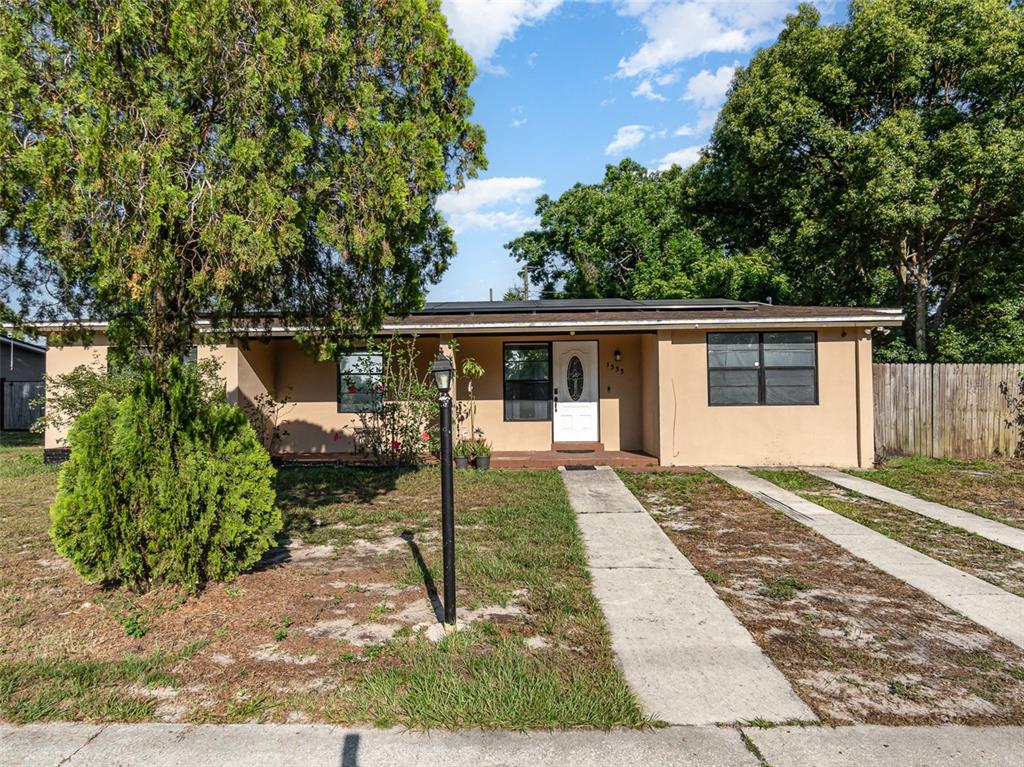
x: 463, y: 452
x: 482, y: 451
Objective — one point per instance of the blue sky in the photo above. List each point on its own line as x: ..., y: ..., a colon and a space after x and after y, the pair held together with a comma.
x: 567, y: 87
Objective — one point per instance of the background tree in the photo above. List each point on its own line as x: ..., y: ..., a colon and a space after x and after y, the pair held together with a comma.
x: 882, y: 160
x: 634, y: 235
x: 160, y: 162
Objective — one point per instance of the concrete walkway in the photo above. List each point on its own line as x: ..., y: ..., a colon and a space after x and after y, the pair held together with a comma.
x: 281, y: 745
x: 682, y: 651
x: 999, y: 611
x: 973, y: 523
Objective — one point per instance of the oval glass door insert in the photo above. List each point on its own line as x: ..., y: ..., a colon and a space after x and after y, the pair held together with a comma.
x: 574, y: 378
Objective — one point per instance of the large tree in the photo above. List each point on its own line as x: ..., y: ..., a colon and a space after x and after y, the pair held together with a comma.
x: 634, y: 235
x: 161, y: 162
x: 882, y: 159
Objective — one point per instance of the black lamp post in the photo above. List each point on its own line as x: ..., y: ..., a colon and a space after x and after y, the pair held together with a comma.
x: 442, y: 370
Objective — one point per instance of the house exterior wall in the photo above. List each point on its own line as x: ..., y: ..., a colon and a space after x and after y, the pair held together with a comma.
x: 619, y: 383
x: 64, y: 359
x: 837, y: 431
x: 24, y: 365
x: 654, y: 399
x: 649, y: 400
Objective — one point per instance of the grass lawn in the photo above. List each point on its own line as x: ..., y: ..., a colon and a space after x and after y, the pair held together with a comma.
x: 20, y: 439
x: 336, y: 625
x: 974, y: 554
x: 993, y: 489
x: 858, y: 645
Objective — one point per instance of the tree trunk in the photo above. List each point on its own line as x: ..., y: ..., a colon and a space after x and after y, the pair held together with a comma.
x: 921, y: 315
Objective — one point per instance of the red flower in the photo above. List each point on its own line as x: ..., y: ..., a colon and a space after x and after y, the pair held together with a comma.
x: 395, y: 445
x: 426, y: 436
x: 352, y: 389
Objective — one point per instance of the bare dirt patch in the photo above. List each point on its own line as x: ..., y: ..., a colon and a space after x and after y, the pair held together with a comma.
x: 858, y: 645
x: 339, y: 623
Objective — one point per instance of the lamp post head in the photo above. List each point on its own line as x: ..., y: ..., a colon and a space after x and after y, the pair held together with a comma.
x: 442, y: 370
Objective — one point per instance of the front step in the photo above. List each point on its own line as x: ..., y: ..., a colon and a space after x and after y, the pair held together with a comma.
x: 577, y: 447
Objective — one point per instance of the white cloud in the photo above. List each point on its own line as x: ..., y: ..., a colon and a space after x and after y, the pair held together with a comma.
x: 677, y: 32
x: 492, y: 203
x: 627, y: 137
x: 518, y: 123
x: 709, y: 89
x: 480, y: 26
x: 684, y: 158
x: 607, y: 102
x: 494, y: 219
x: 667, y: 79
x: 646, y: 90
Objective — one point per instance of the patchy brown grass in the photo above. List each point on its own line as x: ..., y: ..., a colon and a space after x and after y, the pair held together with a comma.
x: 858, y: 645
x: 335, y: 625
x: 993, y: 562
x: 993, y: 489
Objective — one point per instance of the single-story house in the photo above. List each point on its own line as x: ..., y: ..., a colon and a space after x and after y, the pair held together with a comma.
x: 22, y: 368
x: 686, y: 382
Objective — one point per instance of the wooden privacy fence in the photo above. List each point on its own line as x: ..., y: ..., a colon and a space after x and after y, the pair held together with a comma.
x: 16, y: 409
x: 946, y: 411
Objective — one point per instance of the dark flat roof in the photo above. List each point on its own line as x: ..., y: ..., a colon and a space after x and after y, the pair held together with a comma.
x: 579, y: 305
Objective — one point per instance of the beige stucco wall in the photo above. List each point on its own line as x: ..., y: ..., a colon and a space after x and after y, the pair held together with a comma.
x: 619, y: 384
x: 655, y: 399
x: 649, y: 400
x: 835, y: 432
x: 64, y: 359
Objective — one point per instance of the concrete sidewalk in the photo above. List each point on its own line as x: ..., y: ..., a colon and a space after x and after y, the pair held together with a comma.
x: 999, y: 611
x: 685, y: 655
x: 973, y: 523
x: 279, y: 745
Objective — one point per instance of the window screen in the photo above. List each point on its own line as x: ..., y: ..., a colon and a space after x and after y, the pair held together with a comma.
x: 359, y: 381
x: 527, y: 382
x: 763, y: 368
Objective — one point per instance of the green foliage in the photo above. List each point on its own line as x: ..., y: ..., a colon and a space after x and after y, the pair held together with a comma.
x: 403, y: 425
x: 881, y: 160
x: 634, y: 235
x: 70, y: 394
x: 164, y: 487
x: 159, y: 161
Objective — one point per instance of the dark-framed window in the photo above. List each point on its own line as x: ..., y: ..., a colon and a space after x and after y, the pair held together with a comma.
x: 359, y: 381
x: 771, y: 368
x: 527, y: 381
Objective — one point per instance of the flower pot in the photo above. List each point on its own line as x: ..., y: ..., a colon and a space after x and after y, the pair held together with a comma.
x: 461, y: 462
x: 483, y: 462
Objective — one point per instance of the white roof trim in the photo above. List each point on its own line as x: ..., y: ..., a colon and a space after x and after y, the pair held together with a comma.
x: 883, y: 317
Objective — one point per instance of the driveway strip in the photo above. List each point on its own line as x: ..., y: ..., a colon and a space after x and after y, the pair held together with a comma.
x: 985, y: 604
x: 1012, y: 537
x: 685, y: 655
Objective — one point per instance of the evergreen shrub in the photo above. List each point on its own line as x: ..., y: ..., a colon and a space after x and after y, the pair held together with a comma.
x: 164, y: 486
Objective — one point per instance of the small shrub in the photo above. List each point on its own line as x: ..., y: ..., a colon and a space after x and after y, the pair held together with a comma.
x: 164, y: 486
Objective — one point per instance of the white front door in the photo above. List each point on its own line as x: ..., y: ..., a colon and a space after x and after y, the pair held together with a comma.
x: 575, y: 391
